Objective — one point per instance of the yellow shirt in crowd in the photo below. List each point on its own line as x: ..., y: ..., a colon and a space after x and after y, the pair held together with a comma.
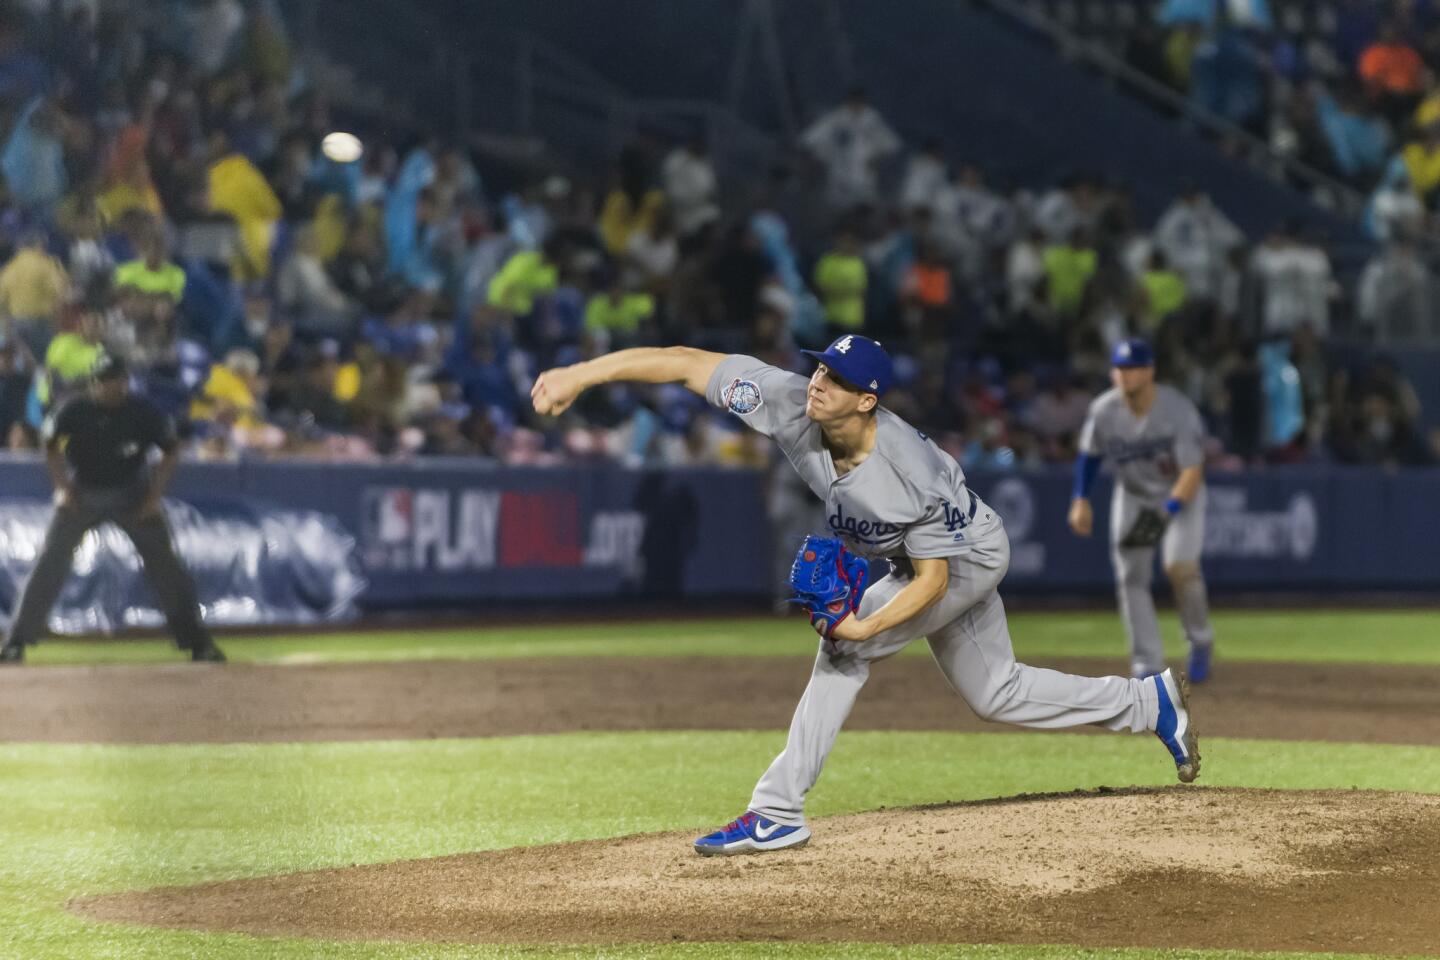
x: 241, y: 190
x: 168, y: 280
x: 32, y: 285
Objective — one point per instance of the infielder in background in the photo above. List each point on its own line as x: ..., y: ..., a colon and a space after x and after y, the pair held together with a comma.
x: 96, y: 448
x: 1154, y: 439
x: 890, y: 493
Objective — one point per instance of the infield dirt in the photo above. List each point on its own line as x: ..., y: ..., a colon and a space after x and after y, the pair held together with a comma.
x: 1178, y: 867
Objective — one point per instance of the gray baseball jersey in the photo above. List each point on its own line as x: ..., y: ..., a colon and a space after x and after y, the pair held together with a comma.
x: 907, y: 498
x: 1147, y: 453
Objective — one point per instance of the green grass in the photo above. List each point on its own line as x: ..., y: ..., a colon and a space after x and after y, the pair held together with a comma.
x: 1405, y: 637
x: 88, y: 819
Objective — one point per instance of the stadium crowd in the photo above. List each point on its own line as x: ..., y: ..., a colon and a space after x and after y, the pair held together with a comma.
x: 167, y: 198
x: 1349, y: 87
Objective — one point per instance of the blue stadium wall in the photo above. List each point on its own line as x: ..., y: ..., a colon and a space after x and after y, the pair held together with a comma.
x: 460, y: 534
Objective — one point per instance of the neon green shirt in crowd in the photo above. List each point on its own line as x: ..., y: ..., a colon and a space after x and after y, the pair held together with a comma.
x: 1165, y: 291
x: 68, y: 358
x: 841, y: 279
x: 525, y: 276
x: 168, y: 281
x: 1068, y: 270
x: 602, y: 313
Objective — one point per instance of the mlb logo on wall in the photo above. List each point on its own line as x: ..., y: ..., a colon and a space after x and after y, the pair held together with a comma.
x: 389, y: 519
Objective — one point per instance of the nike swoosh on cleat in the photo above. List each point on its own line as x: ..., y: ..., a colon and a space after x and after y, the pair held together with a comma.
x: 761, y: 833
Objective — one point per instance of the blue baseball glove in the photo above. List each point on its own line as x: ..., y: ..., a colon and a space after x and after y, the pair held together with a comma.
x: 829, y: 581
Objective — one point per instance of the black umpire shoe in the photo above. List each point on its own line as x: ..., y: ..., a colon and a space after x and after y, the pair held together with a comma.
x: 209, y: 653
x: 12, y: 653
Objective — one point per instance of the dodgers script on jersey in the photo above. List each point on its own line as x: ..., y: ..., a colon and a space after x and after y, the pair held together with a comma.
x: 907, y: 498
x: 1147, y: 453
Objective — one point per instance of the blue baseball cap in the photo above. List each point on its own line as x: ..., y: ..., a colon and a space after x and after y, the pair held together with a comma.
x: 1132, y: 353
x: 859, y: 361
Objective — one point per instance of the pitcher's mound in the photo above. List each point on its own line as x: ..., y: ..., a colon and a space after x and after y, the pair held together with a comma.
x: 1242, y: 869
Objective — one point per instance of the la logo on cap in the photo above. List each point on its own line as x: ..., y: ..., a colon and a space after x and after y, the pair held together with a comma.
x: 843, y: 346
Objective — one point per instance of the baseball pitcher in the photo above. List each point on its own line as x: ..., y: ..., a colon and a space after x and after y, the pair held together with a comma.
x: 896, y: 505
x: 1153, y: 437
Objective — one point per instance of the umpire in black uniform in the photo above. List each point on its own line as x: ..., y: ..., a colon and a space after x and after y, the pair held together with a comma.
x: 96, y: 448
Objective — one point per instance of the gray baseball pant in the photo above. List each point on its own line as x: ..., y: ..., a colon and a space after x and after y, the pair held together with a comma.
x: 970, y: 641
x: 1180, y: 551
x: 151, y: 535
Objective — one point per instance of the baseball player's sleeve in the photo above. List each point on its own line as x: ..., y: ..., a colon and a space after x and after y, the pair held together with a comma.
x: 766, y: 398
x: 1088, y: 443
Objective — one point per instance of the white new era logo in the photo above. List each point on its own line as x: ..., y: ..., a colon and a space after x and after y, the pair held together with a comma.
x: 874, y: 385
x: 843, y: 346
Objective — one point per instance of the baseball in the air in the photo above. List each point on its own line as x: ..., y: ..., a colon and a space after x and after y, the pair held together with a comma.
x: 342, y: 147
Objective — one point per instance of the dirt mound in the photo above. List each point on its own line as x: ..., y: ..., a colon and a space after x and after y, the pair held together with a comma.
x: 1239, y: 869
x: 368, y: 701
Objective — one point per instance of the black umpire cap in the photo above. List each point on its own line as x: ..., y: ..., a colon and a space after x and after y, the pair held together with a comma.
x: 109, y: 367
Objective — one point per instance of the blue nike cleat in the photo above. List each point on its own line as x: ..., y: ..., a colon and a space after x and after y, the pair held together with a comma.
x: 751, y: 833
x: 1173, y: 726
x: 1199, y: 668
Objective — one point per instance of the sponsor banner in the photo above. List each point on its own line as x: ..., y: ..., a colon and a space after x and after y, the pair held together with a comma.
x: 1292, y: 528
x: 252, y: 564
x: 466, y: 535
x: 461, y: 533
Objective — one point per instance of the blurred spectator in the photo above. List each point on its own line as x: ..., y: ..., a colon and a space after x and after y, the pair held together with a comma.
x: 1393, y: 73
x: 691, y: 187
x: 631, y: 206
x: 1196, y: 238
x: 212, y: 32
x: 526, y: 275
x: 1057, y: 415
x: 1295, y: 283
x: 71, y: 356
x: 127, y: 185
x: 1227, y: 76
x: 307, y: 294
x: 1359, y: 141
x: 15, y: 377
x: 652, y: 254
x: 1066, y: 208
x: 148, y: 290
x: 928, y: 297
x: 1394, y: 301
x: 926, y: 178
x: 88, y: 261
x: 1395, y: 209
x: 32, y: 288
x: 239, y: 189
x: 230, y: 395
x: 1164, y: 289
x: 1069, y: 268
x: 849, y: 141
x: 840, y: 279
x: 1243, y: 403
x: 1025, y: 274
x: 616, y: 315
x: 33, y: 158
x: 1422, y: 163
